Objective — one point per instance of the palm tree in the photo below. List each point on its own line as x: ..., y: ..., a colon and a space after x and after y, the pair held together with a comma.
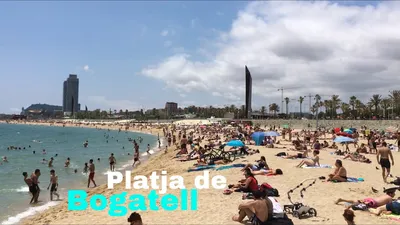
x: 274, y: 108
x: 385, y: 103
x: 287, y: 105
x: 345, y: 109
x: 395, y: 97
x: 263, y: 109
x: 301, y: 100
x: 335, y: 104
x: 352, y: 103
x: 375, y: 101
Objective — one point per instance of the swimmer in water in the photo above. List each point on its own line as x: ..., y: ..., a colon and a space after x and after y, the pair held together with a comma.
x: 5, y: 159
x: 34, y: 152
x: 51, y: 162
x: 44, y: 161
x: 75, y: 171
x: 86, y: 168
x: 67, y: 162
x: 44, y: 152
x: 86, y: 144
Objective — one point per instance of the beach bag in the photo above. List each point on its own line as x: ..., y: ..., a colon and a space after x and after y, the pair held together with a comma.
x: 268, y: 190
x: 397, y: 181
x: 280, y: 221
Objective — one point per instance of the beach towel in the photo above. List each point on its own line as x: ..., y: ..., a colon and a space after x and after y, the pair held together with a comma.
x: 200, y: 168
x: 316, y: 167
x: 392, y: 217
x: 353, y: 179
x: 238, y: 165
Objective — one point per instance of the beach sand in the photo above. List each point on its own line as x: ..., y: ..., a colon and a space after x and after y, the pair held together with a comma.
x: 216, y: 208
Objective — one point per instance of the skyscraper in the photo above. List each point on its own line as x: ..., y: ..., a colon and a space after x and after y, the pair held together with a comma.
x: 248, y: 92
x: 71, y: 95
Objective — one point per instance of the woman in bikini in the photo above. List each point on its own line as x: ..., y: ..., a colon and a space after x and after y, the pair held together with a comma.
x: 340, y: 173
x: 261, y: 164
x: 313, y: 162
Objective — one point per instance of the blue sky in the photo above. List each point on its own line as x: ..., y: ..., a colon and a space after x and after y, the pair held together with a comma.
x: 42, y: 42
x: 108, y: 44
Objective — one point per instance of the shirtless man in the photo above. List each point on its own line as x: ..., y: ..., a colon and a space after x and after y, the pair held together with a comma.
x: 28, y: 181
x: 383, y: 159
x: 372, y: 202
x: 54, y: 185
x: 35, y: 185
x: 136, y: 155
x: 259, y: 209
x: 112, y: 161
x: 91, y: 173
x: 148, y: 149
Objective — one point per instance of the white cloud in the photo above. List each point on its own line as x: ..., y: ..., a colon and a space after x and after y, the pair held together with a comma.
x: 167, y: 43
x: 164, y: 33
x: 87, y: 69
x: 105, y: 104
x: 193, y: 23
x: 319, y: 47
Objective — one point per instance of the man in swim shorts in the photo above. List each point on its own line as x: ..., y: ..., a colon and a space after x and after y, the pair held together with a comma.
x: 112, y: 161
x: 91, y: 173
x: 383, y: 159
x: 372, y: 202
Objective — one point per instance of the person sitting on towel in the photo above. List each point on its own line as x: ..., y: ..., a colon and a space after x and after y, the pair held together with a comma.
x: 313, y: 162
x: 249, y: 184
x: 340, y: 173
x: 261, y: 164
x: 371, y: 202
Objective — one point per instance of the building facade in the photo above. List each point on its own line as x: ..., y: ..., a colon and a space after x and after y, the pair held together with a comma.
x: 248, y: 92
x: 71, y: 95
x: 171, y: 108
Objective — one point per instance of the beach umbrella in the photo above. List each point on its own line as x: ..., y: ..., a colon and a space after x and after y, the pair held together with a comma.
x: 337, y: 130
x: 348, y: 131
x: 235, y: 143
x: 272, y: 133
x: 341, y: 139
x: 258, y: 137
x: 353, y: 129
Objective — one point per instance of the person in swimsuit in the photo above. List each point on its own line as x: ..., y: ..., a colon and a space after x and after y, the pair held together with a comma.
x: 261, y: 164
x: 313, y: 162
x: 51, y: 162
x: 371, y: 202
x: 112, y: 161
x: 340, y: 173
x: 67, y: 162
x: 53, y: 184
x: 269, y: 172
x: 136, y: 156
x: 383, y: 159
x: 86, y: 168
x: 249, y: 184
x: 258, y: 211
x: 28, y: 181
x: 91, y: 173
x: 35, y: 184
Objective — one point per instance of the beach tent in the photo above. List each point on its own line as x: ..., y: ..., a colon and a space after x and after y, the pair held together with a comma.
x: 258, y: 137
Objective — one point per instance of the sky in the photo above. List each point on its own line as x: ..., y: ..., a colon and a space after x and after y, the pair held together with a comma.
x: 138, y: 55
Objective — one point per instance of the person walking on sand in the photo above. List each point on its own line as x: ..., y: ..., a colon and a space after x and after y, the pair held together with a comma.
x: 91, y: 173
x: 112, y: 161
x: 382, y: 157
x: 28, y: 181
x: 35, y: 183
x: 54, y: 185
x: 136, y: 157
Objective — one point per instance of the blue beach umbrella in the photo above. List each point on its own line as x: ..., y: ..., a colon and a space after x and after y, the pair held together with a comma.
x: 258, y: 137
x: 235, y: 143
x: 341, y: 139
x: 272, y: 133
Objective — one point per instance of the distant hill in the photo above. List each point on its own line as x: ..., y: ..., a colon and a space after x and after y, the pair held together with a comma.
x: 44, y: 107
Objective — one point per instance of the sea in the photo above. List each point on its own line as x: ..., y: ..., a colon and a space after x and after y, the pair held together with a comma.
x: 60, y: 143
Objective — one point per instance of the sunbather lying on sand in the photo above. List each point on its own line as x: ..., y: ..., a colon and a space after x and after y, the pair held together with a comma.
x: 313, y: 162
x: 392, y: 207
x: 302, y: 155
x: 340, y: 173
x: 268, y: 172
x: 261, y: 164
x: 357, y: 157
x: 371, y: 202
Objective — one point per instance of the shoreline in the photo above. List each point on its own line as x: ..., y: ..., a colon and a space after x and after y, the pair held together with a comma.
x: 46, y: 204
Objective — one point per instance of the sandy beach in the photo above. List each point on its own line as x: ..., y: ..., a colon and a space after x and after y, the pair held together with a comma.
x: 217, y: 208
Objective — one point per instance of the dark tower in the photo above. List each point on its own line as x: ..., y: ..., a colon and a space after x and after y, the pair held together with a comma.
x: 248, y: 92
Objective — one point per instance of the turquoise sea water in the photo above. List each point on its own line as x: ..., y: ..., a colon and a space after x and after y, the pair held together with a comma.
x: 66, y: 142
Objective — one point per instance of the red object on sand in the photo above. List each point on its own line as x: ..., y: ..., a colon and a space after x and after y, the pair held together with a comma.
x: 337, y: 130
x: 344, y: 134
